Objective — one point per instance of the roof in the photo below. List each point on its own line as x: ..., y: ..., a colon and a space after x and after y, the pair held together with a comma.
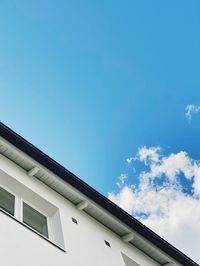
x: 111, y: 208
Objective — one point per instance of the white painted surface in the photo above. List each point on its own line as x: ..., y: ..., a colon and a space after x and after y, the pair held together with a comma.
x: 84, y: 242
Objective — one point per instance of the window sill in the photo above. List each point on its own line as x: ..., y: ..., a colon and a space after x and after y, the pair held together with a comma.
x: 31, y: 229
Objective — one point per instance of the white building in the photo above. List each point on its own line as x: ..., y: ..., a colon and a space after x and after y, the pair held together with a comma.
x: 50, y: 217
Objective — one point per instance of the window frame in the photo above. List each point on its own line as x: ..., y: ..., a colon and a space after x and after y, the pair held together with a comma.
x: 15, y: 197
x: 18, y: 217
x: 19, y: 208
x: 40, y: 212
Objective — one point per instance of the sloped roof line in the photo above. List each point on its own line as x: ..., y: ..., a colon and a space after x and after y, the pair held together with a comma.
x: 94, y: 195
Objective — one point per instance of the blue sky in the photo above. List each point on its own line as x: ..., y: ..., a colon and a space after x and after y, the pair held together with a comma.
x: 90, y: 82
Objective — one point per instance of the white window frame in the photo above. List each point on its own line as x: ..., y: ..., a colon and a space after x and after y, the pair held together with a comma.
x: 15, y: 196
x: 18, y: 216
x: 38, y: 210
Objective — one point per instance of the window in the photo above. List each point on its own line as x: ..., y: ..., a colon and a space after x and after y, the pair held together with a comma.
x: 7, y: 201
x: 31, y: 217
x: 35, y: 219
x: 31, y: 210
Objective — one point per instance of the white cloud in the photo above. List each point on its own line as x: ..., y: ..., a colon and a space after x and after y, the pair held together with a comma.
x: 149, y: 155
x: 121, y: 180
x: 146, y: 154
x: 160, y: 199
x: 129, y: 160
x: 190, y: 110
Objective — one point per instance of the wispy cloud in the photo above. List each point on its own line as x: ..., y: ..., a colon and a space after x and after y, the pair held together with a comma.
x: 121, y: 180
x: 167, y: 198
x: 190, y: 110
x: 145, y: 155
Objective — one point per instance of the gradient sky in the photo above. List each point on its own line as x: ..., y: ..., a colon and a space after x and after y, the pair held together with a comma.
x: 89, y: 82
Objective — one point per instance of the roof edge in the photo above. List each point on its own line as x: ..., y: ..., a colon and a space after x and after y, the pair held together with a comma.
x: 39, y: 156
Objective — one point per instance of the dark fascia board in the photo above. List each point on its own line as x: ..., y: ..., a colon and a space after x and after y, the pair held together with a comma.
x: 94, y: 195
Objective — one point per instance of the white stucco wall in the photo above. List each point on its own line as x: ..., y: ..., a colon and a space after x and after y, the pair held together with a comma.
x: 84, y: 242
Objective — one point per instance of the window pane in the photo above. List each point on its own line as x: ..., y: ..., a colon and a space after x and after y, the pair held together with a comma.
x: 7, y: 201
x: 35, y: 219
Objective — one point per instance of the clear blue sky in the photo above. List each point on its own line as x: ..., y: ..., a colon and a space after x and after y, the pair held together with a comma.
x: 88, y: 82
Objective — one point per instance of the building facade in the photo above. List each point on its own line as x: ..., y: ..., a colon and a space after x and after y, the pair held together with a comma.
x: 49, y: 217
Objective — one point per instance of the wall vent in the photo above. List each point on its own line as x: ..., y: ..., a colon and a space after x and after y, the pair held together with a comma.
x: 107, y: 243
x: 74, y: 220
